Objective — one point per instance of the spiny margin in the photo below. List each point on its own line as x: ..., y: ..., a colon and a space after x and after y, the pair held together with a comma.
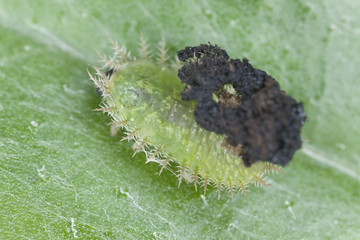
x: 103, y: 80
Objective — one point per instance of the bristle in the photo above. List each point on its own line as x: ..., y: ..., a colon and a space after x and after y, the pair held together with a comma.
x: 101, y: 81
x: 273, y: 168
x: 98, y: 82
x: 205, y: 183
x: 164, y: 164
x: 130, y: 135
x: 153, y: 155
x: 259, y: 180
x: 243, y: 187
x: 104, y: 109
x: 162, y: 58
x: 95, y: 80
x: 196, y: 180
x: 142, y: 145
x: 109, y: 63
x: 120, y: 52
x: 230, y: 188
x: 181, y: 174
x: 99, y: 73
x: 144, y: 48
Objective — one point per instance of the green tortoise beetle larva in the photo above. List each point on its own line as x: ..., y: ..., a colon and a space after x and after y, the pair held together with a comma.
x: 145, y: 98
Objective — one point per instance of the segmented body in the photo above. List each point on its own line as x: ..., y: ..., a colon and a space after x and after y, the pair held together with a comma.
x: 143, y: 97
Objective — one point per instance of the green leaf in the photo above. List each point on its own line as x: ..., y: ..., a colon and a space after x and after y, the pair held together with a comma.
x: 63, y: 176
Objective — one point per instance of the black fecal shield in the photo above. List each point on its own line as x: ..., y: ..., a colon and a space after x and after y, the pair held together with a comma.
x: 266, y: 122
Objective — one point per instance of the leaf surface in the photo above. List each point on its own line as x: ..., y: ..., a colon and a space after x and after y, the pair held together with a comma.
x: 63, y: 176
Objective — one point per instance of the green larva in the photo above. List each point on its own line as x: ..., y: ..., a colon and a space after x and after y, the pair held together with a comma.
x: 143, y: 97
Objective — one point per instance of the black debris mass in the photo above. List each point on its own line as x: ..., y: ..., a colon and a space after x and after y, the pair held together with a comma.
x: 258, y: 115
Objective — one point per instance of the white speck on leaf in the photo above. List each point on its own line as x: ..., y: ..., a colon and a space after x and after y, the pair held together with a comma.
x: 34, y: 123
x: 73, y: 227
x: 40, y: 172
x: 233, y: 23
x: 204, y: 199
x: 287, y: 203
x: 156, y: 235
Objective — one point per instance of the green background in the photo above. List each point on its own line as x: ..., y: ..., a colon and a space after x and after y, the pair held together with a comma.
x: 63, y: 176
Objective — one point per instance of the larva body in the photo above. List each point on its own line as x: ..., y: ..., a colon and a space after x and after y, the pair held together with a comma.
x: 143, y: 97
